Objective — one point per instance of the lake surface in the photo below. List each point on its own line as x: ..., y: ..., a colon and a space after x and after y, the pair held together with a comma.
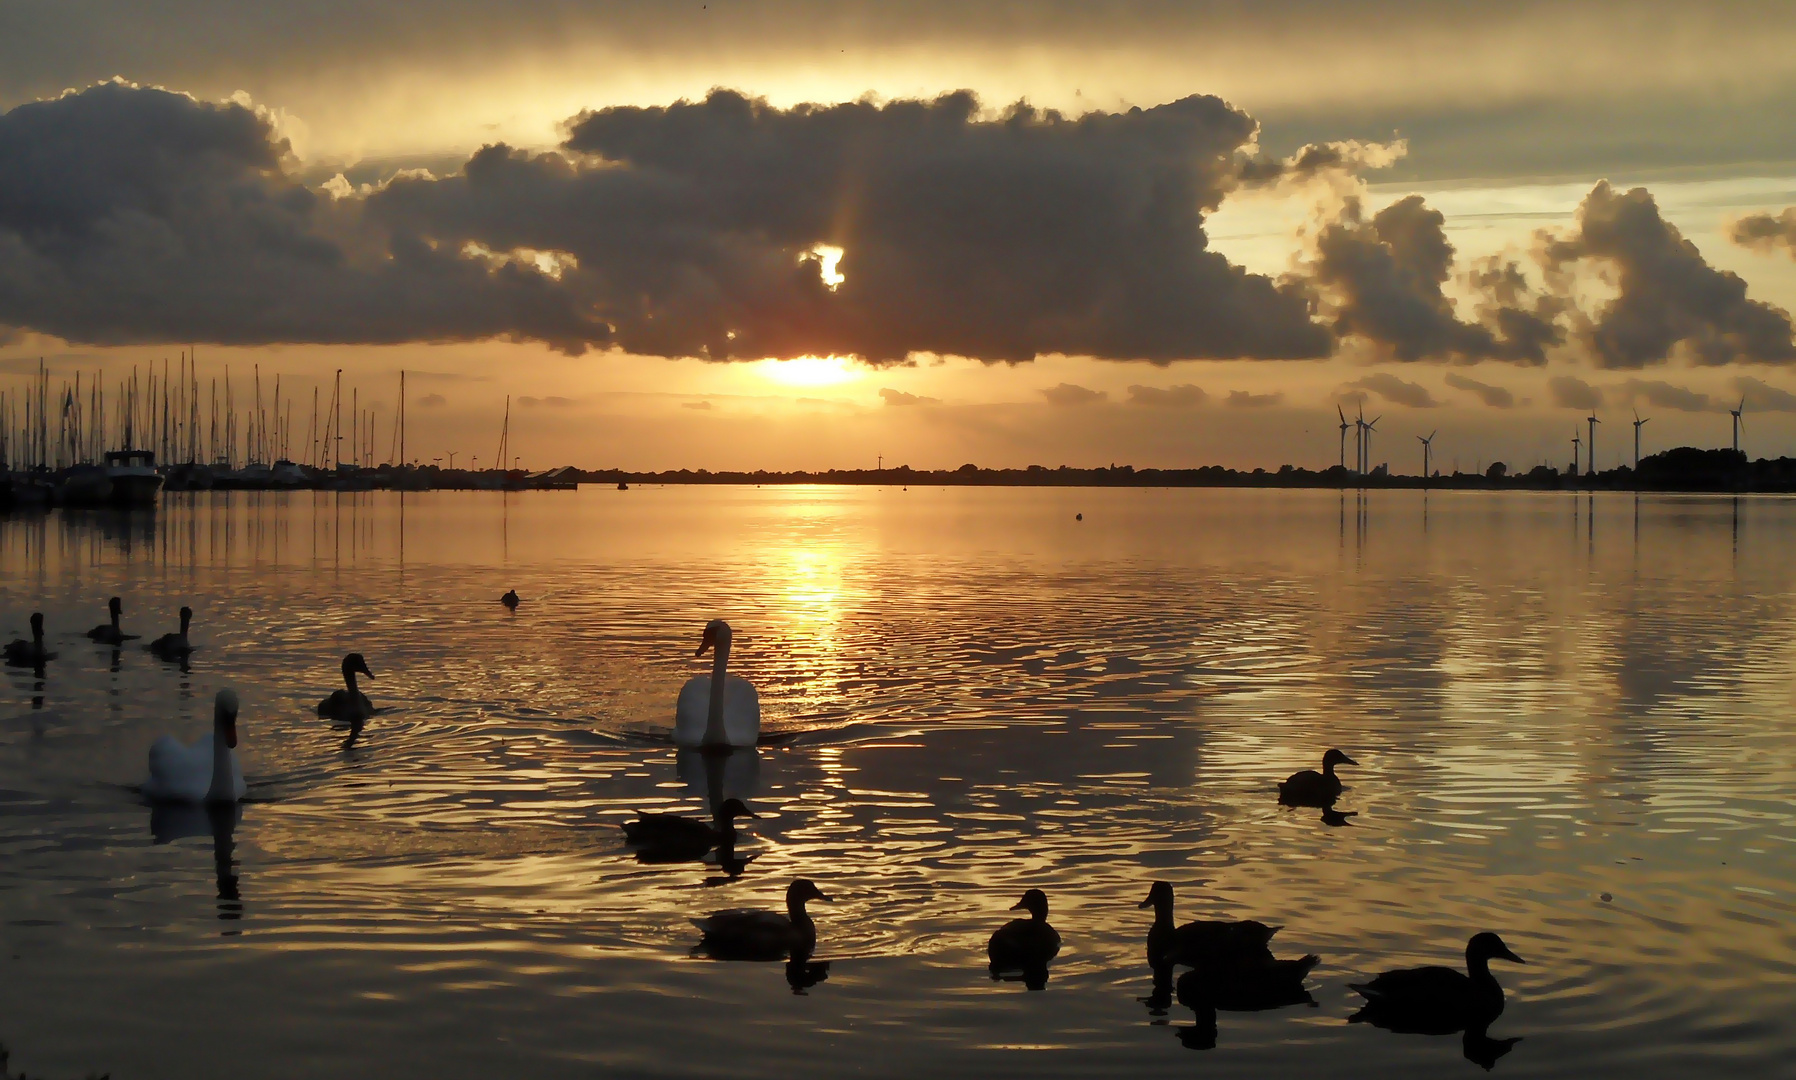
x: 1571, y: 715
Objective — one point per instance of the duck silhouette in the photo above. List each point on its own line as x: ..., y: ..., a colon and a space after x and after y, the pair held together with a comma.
x: 1438, y: 1000
x: 1025, y: 945
x: 743, y: 934
x: 1312, y: 788
x: 1215, y: 945
x: 108, y: 633
x: 674, y: 837
x: 349, y: 705
x: 174, y: 646
x: 510, y: 599
x: 33, y: 653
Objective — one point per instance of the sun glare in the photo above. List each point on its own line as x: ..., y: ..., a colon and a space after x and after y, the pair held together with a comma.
x: 810, y: 370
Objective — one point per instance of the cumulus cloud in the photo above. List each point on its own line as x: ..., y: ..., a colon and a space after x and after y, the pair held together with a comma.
x: 1766, y: 232
x: 899, y: 397
x: 1570, y: 392
x: 1395, y: 390
x: 1668, y: 297
x: 1494, y: 396
x: 722, y: 228
x: 1182, y: 396
x: 1666, y: 396
x: 1242, y: 399
x: 1329, y: 159
x: 1070, y: 394
x: 1381, y: 279
x: 130, y: 214
x: 433, y: 401
x: 1760, y: 396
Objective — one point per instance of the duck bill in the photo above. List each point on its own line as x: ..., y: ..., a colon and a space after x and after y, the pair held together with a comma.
x: 705, y: 643
x: 1148, y: 903
x: 1345, y: 760
x: 1511, y: 957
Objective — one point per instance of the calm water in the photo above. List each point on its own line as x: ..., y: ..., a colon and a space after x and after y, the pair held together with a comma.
x: 1552, y: 698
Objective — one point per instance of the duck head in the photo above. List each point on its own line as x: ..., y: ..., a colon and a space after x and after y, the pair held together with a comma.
x: 1335, y: 757
x: 186, y: 618
x: 115, y: 607
x: 37, y: 624
x: 801, y: 890
x: 717, y: 636
x: 1488, y: 946
x: 1159, y: 896
x: 353, y: 664
x: 224, y: 717
x: 1035, y: 902
x: 731, y: 809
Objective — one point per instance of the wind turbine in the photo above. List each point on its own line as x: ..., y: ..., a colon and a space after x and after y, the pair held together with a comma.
x: 1738, y: 423
x: 1359, y: 440
x: 1343, y: 417
x: 1590, y: 446
x: 1427, y: 448
x: 1576, y: 442
x: 1371, y: 426
x: 1637, y: 423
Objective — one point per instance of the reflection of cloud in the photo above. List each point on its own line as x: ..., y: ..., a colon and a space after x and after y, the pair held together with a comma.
x: 1241, y: 399
x: 1494, y: 396
x: 1070, y: 394
x: 1395, y: 390
x: 432, y: 401
x: 899, y: 397
x: 1574, y: 393
x: 1182, y: 396
x: 1763, y: 397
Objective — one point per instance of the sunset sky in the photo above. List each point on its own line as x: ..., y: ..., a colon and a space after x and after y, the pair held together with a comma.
x: 807, y: 235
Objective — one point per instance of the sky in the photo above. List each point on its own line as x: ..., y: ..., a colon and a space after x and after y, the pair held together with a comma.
x: 812, y: 235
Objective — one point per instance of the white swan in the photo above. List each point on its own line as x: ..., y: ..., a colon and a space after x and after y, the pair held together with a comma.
x: 719, y: 709
x: 208, y: 770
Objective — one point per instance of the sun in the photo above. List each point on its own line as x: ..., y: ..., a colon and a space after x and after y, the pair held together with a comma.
x: 810, y: 370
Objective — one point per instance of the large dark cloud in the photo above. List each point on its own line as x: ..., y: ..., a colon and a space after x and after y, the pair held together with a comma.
x: 1669, y: 299
x: 138, y: 215
x: 997, y: 238
x: 1382, y: 280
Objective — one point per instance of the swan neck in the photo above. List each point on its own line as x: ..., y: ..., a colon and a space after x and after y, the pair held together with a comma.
x: 222, y: 789
x: 349, y: 679
x: 714, y: 733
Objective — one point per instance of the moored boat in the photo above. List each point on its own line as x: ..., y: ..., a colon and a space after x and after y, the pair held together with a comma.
x: 135, y: 481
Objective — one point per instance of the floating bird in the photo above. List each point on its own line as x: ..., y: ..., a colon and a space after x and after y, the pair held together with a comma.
x: 1312, y: 788
x: 673, y: 832
x: 349, y: 706
x: 510, y: 599
x: 1025, y: 944
x: 208, y: 770
x: 763, y: 935
x: 174, y: 646
x: 108, y: 633
x: 1249, y: 988
x: 717, y: 710
x: 1216, y: 945
x: 1438, y: 1000
x: 33, y: 653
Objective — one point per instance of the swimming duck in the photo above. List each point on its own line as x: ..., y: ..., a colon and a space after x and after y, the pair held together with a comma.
x: 510, y: 599
x: 208, y: 770
x: 33, y: 653
x: 1312, y: 788
x: 673, y: 832
x: 719, y: 709
x: 1214, y: 945
x: 108, y: 633
x: 174, y: 646
x: 763, y: 935
x: 1025, y: 943
x: 349, y: 706
x: 1438, y: 1000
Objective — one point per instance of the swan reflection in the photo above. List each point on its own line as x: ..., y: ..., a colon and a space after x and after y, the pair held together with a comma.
x: 171, y: 821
